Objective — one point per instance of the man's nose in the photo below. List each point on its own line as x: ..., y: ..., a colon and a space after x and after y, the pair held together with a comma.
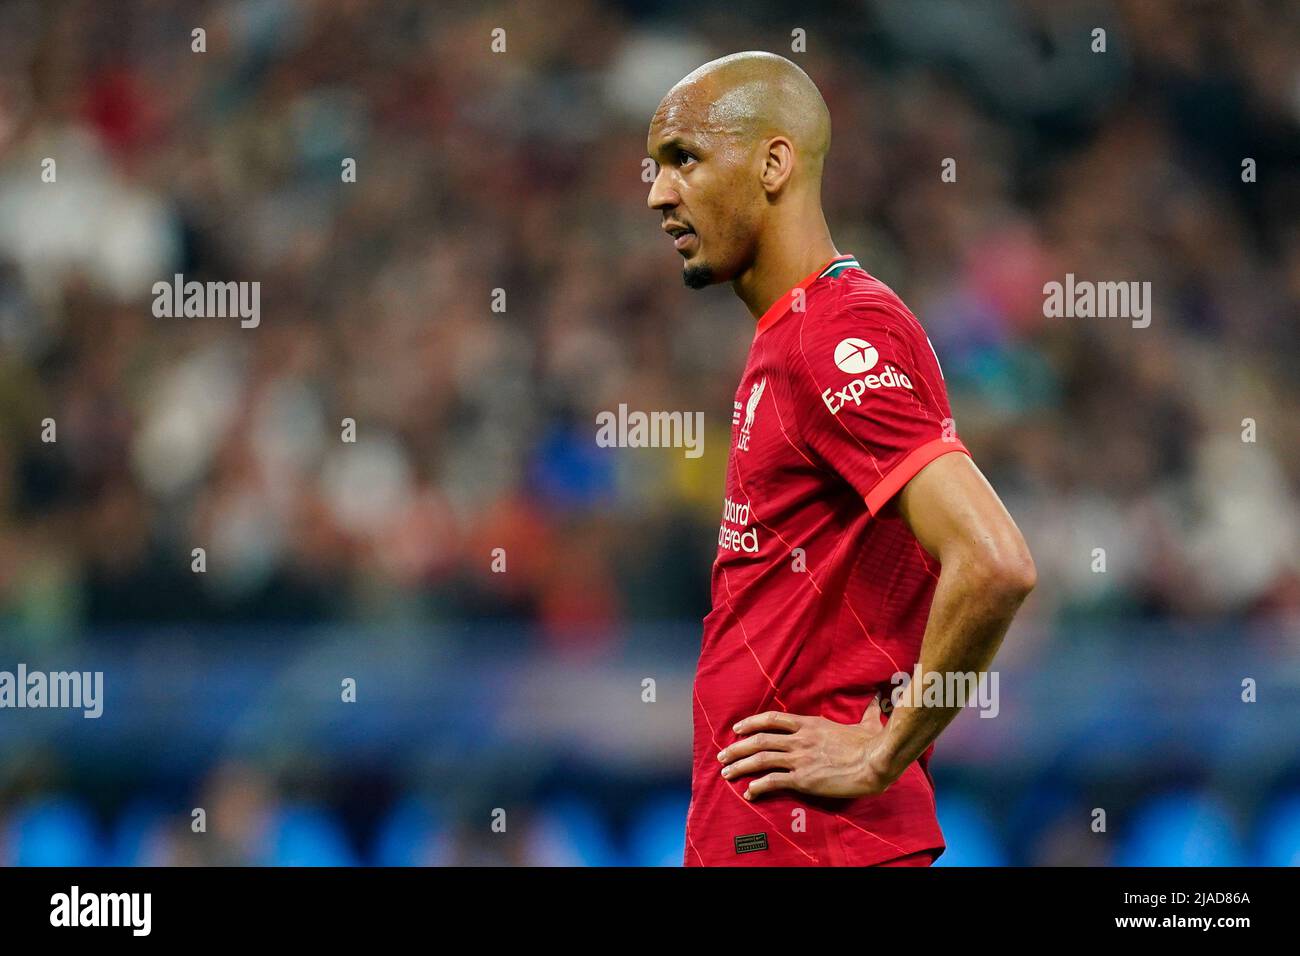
x: 662, y: 194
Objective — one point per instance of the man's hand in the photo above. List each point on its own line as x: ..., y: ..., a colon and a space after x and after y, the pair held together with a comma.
x: 810, y: 755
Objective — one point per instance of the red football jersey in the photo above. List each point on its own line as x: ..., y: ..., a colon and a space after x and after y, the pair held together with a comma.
x: 820, y: 590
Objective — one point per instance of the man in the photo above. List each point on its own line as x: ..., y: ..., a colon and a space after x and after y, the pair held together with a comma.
x: 857, y: 534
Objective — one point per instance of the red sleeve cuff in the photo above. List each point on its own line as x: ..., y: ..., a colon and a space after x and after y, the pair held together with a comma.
x: 907, y: 469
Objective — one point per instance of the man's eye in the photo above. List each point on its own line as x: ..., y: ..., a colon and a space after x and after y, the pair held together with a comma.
x: 683, y: 157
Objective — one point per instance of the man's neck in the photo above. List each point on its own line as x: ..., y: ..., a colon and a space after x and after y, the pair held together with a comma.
x: 783, y: 264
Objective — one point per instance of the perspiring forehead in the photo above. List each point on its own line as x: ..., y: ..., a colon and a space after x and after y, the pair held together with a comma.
x: 691, y: 110
x: 687, y: 118
x: 740, y: 111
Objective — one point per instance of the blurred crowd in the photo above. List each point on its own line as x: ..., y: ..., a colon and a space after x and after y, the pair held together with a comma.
x: 519, y: 169
x: 243, y: 815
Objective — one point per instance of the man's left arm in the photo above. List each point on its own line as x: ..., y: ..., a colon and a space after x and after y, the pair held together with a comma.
x: 985, y: 573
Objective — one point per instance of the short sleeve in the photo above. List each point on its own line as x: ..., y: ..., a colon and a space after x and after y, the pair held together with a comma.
x: 870, y: 397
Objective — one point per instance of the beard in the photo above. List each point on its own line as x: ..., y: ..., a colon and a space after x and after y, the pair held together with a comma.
x: 697, y: 277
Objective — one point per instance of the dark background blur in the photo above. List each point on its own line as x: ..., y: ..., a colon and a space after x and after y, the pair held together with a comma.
x: 521, y: 170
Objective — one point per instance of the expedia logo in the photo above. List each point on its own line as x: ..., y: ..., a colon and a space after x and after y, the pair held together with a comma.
x: 854, y: 390
x: 856, y: 356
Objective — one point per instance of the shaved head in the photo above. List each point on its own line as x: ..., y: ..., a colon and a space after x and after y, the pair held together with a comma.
x: 741, y: 143
x: 754, y: 96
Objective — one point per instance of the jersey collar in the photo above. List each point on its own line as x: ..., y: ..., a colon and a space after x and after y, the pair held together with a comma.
x: 782, y: 305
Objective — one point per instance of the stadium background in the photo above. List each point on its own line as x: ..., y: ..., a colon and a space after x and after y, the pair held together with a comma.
x: 522, y: 171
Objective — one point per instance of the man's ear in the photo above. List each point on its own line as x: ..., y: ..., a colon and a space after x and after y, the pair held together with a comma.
x: 778, y: 164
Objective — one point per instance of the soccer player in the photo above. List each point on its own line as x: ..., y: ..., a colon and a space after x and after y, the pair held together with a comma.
x: 857, y: 535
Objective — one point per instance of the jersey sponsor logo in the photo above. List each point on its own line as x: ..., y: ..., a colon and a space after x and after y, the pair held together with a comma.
x: 755, y: 396
x: 890, y: 377
x: 856, y: 356
x: 741, y: 537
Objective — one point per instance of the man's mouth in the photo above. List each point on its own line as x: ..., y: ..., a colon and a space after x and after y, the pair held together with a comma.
x: 683, y: 236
